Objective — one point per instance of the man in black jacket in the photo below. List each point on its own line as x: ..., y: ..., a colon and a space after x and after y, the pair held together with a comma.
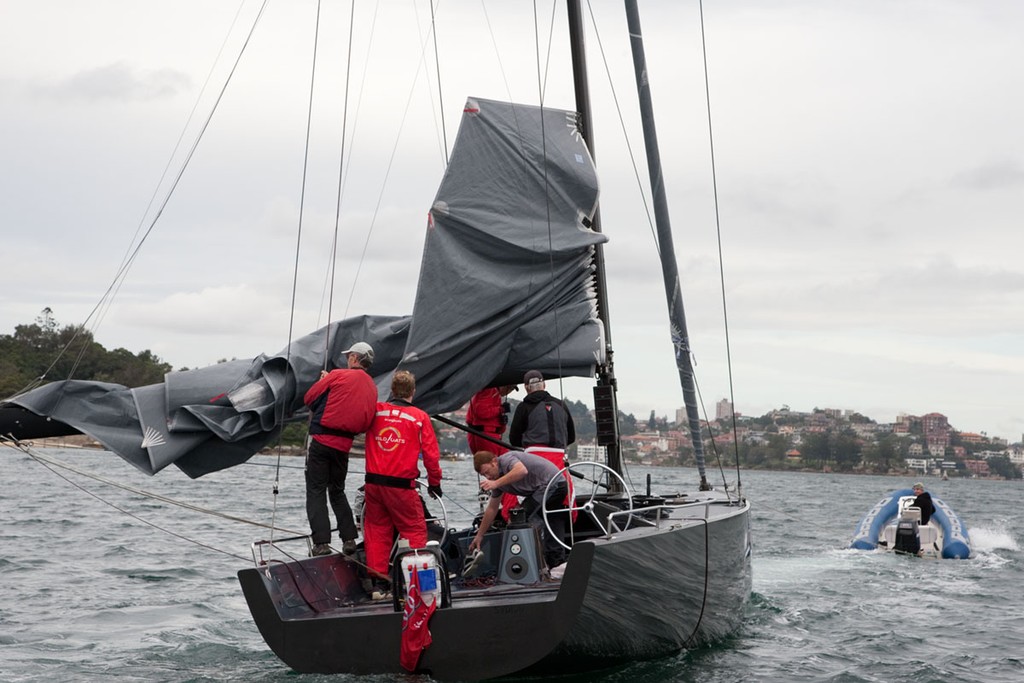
x: 541, y: 424
x: 924, y: 502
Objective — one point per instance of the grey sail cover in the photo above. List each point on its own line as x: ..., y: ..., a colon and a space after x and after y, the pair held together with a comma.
x: 507, y: 280
x: 506, y: 285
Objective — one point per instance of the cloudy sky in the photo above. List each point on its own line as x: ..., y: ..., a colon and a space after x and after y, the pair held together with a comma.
x: 869, y: 165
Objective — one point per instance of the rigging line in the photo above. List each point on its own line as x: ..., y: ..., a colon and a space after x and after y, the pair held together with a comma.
x: 440, y: 92
x: 547, y: 196
x: 12, y: 442
x: 547, y: 61
x: 718, y: 229
x: 122, y: 272
x: 625, y: 134
x: 269, y: 464
x: 129, y: 512
x: 174, y: 152
x: 342, y: 169
x: 707, y: 573
x: 442, y: 137
x: 387, y: 175
x: 714, y: 446
x: 305, y: 176
x: 115, y: 285
x: 280, y: 409
x: 497, y: 52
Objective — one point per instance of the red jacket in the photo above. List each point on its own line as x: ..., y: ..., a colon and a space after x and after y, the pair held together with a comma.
x: 484, y: 411
x: 399, y: 433
x: 342, y: 405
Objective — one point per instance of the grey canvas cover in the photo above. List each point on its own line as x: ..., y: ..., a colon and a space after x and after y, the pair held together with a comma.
x: 506, y: 284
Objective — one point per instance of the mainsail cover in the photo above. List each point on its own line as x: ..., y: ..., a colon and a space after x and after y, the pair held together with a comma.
x: 507, y: 280
x: 506, y: 285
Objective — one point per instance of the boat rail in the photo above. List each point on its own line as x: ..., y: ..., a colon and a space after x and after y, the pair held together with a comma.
x: 653, y: 514
x: 257, y: 547
x: 603, y: 509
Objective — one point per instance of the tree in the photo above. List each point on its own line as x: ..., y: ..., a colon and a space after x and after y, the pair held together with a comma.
x: 582, y: 419
x: 884, y: 452
x: 627, y: 424
x: 1001, y: 465
x: 845, y: 449
x: 45, y: 351
x: 815, y: 448
x: 652, y: 423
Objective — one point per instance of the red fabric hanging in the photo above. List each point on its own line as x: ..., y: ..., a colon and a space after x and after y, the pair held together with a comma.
x: 415, y: 620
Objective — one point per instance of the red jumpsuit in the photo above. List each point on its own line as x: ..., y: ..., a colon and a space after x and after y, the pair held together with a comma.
x: 485, y: 414
x: 399, y: 434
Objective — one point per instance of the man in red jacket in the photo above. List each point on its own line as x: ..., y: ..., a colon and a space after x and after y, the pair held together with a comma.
x: 488, y: 413
x: 341, y: 404
x: 399, y: 434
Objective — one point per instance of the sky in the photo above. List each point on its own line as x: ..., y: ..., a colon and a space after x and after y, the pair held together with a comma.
x: 868, y: 169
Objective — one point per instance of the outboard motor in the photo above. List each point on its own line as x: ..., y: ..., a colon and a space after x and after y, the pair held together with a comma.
x: 907, y: 539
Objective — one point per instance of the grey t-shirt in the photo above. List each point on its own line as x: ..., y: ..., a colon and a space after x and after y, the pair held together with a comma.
x: 538, y: 473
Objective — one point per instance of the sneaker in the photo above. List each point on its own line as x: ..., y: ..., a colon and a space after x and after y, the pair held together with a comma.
x: 472, y: 561
x: 349, y: 547
x: 320, y: 549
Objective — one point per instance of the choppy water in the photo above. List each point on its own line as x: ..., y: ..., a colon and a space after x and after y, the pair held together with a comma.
x: 89, y: 593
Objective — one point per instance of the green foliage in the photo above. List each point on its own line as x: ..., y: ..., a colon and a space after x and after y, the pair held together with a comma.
x: 885, y: 453
x: 586, y: 428
x: 627, y: 424
x: 294, y: 433
x: 582, y: 419
x: 1002, y: 466
x: 44, y: 351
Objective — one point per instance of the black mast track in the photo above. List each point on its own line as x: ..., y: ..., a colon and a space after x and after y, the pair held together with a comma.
x: 669, y: 268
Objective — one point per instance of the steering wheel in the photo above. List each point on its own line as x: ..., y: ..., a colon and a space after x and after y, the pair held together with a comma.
x: 598, y: 473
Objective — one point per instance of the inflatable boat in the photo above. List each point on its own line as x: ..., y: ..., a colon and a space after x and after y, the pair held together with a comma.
x: 895, y: 524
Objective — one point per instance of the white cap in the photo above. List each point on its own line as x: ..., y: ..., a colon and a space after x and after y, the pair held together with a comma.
x: 363, y: 350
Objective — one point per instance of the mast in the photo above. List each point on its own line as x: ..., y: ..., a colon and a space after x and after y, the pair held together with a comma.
x: 606, y: 409
x: 669, y: 268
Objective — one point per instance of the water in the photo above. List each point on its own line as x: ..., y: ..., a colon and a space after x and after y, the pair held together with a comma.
x: 90, y: 593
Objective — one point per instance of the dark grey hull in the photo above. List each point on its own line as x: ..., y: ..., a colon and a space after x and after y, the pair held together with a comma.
x: 643, y: 593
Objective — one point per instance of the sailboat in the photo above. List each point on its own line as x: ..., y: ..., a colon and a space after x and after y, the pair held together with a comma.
x: 648, y: 573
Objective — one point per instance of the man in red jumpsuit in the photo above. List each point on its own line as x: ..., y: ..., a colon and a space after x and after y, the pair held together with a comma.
x: 488, y: 413
x: 399, y: 434
x: 342, y: 404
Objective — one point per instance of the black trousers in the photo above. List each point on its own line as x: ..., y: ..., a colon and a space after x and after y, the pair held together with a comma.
x: 554, y: 553
x: 326, y: 469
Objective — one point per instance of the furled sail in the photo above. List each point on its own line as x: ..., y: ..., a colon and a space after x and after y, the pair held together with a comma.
x: 507, y: 281
x: 506, y: 285
x: 206, y: 419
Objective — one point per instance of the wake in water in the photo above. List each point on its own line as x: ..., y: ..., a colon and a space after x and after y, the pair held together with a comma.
x: 987, y: 540
x: 990, y: 546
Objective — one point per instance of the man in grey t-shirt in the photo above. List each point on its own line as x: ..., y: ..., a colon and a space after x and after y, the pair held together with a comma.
x: 527, y: 475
